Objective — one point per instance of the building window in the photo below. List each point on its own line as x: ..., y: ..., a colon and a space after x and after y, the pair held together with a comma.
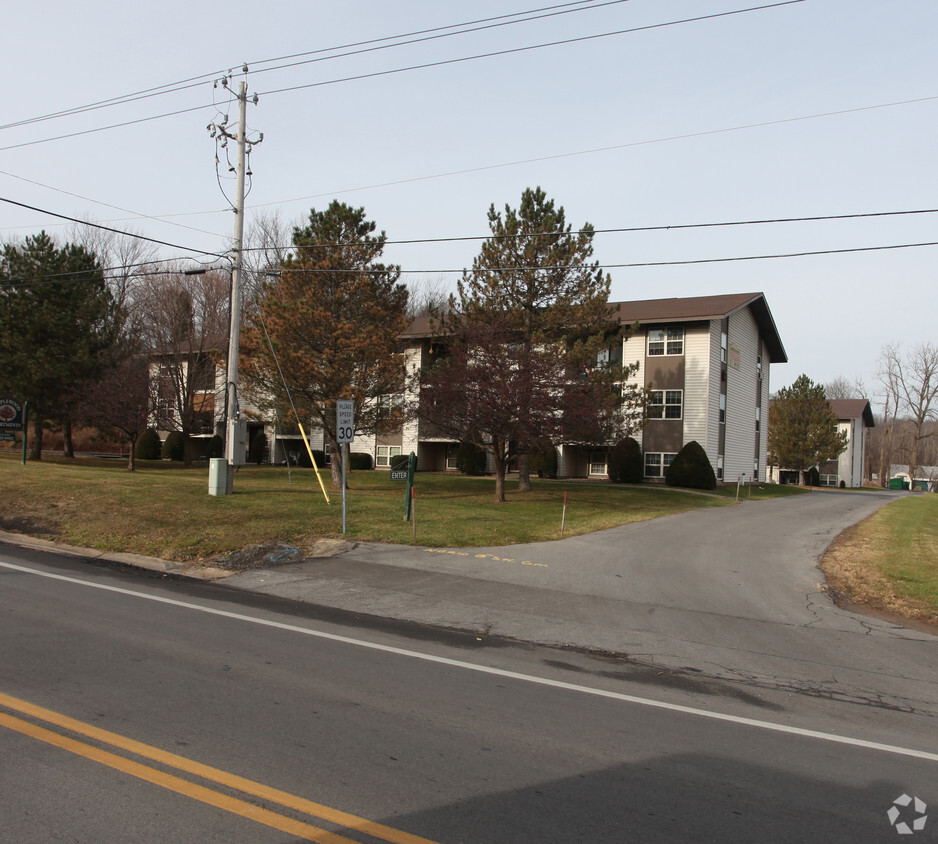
x: 598, y: 463
x: 758, y: 418
x: 385, y: 453
x: 755, y: 470
x: 665, y: 404
x: 723, y: 347
x: 666, y: 341
x: 720, y: 468
x: 656, y: 463
x: 827, y: 480
x: 722, y: 408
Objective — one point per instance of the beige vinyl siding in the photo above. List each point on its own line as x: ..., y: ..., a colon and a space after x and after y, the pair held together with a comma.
x: 764, y: 427
x: 712, y: 446
x: 741, y: 396
x: 697, y: 369
x: 633, y: 351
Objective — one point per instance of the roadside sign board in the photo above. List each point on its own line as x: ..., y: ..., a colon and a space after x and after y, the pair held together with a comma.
x: 6, y: 437
x: 399, y: 474
x: 11, y: 415
x: 345, y: 421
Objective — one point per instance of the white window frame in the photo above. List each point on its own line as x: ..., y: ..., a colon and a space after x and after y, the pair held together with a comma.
x: 598, y: 464
x: 660, y: 462
x: 383, y: 455
x: 758, y: 418
x: 669, y: 399
x: 828, y: 480
x: 665, y: 342
x: 720, y: 468
x: 722, y: 408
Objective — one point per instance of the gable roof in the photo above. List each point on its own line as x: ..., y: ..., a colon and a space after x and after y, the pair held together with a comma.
x: 853, y: 409
x: 692, y: 308
x: 652, y: 311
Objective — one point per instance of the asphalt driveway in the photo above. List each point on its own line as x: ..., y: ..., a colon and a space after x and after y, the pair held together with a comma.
x: 731, y: 592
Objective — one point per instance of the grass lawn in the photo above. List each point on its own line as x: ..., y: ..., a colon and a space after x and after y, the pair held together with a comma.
x: 164, y: 510
x: 889, y: 561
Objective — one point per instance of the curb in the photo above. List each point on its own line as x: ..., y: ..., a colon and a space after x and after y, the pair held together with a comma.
x: 190, y: 570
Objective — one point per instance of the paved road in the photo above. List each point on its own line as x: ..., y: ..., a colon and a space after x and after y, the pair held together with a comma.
x: 427, y: 734
x: 731, y: 592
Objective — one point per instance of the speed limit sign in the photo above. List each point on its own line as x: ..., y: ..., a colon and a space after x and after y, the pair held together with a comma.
x: 345, y: 421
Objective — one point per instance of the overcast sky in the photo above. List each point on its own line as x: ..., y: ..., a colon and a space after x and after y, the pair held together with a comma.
x: 802, y: 109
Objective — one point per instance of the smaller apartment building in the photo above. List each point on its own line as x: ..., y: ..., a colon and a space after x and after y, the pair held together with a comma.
x: 854, y: 418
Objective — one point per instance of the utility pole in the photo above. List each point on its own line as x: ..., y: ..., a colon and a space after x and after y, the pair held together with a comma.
x: 235, y: 427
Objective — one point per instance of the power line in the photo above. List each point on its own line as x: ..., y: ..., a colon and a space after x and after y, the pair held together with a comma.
x: 109, y: 229
x: 426, y: 38
x: 610, y: 148
x: 59, y: 278
x: 195, y: 81
x: 137, y: 215
x: 627, y: 229
x: 531, y: 47
x: 424, y: 66
x: 599, y: 266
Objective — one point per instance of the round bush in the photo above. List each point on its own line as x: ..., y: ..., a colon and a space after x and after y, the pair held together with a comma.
x: 624, y: 463
x: 399, y: 461
x: 148, y: 446
x: 470, y: 459
x: 691, y: 468
x: 358, y: 460
x: 216, y: 446
x: 174, y: 446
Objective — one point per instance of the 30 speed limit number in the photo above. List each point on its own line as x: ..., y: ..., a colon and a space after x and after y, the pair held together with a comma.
x: 345, y: 420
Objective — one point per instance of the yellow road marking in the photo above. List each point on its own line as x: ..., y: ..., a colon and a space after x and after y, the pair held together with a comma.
x: 206, y: 795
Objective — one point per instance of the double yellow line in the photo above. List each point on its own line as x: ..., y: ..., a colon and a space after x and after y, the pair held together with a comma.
x: 202, y: 793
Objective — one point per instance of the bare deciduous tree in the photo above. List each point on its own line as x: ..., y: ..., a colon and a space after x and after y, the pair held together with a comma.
x: 184, y: 328
x: 913, y: 377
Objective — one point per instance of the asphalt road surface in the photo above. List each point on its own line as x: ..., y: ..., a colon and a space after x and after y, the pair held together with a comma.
x: 142, y: 709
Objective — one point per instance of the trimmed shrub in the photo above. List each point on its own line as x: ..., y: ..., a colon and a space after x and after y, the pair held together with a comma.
x: 470, y: 459
x: 174, y: 446
x: 258, y: 450
x: 358, y: 460
x: 625, y: 463
x: 544, y: 461
x: 399, y: 461
x: 691, y: 468
x: 148, y: 446
x: 216, y: 446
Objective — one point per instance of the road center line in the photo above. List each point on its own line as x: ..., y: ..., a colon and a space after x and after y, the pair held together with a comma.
x: 498, y: 672
x: 189, y: 766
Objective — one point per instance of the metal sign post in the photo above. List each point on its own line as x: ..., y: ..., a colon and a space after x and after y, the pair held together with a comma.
x: 345, y: 435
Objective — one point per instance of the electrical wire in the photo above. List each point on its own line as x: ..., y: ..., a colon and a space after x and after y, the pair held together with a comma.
x: 531, y: 47
x: 108, y: 228
x: 137, y: 215
x: 627, y: 229
x: 633, y: 265
x: 427, y: 65
x: 196, y: 81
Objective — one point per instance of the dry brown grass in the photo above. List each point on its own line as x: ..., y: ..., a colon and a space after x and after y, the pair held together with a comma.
x: 887, y: 564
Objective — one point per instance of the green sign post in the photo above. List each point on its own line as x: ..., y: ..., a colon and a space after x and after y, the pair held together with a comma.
x: 408, y: 490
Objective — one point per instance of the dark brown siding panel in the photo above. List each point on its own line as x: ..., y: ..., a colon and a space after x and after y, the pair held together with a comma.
x: 665, y: 372
x: 664, y: 435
